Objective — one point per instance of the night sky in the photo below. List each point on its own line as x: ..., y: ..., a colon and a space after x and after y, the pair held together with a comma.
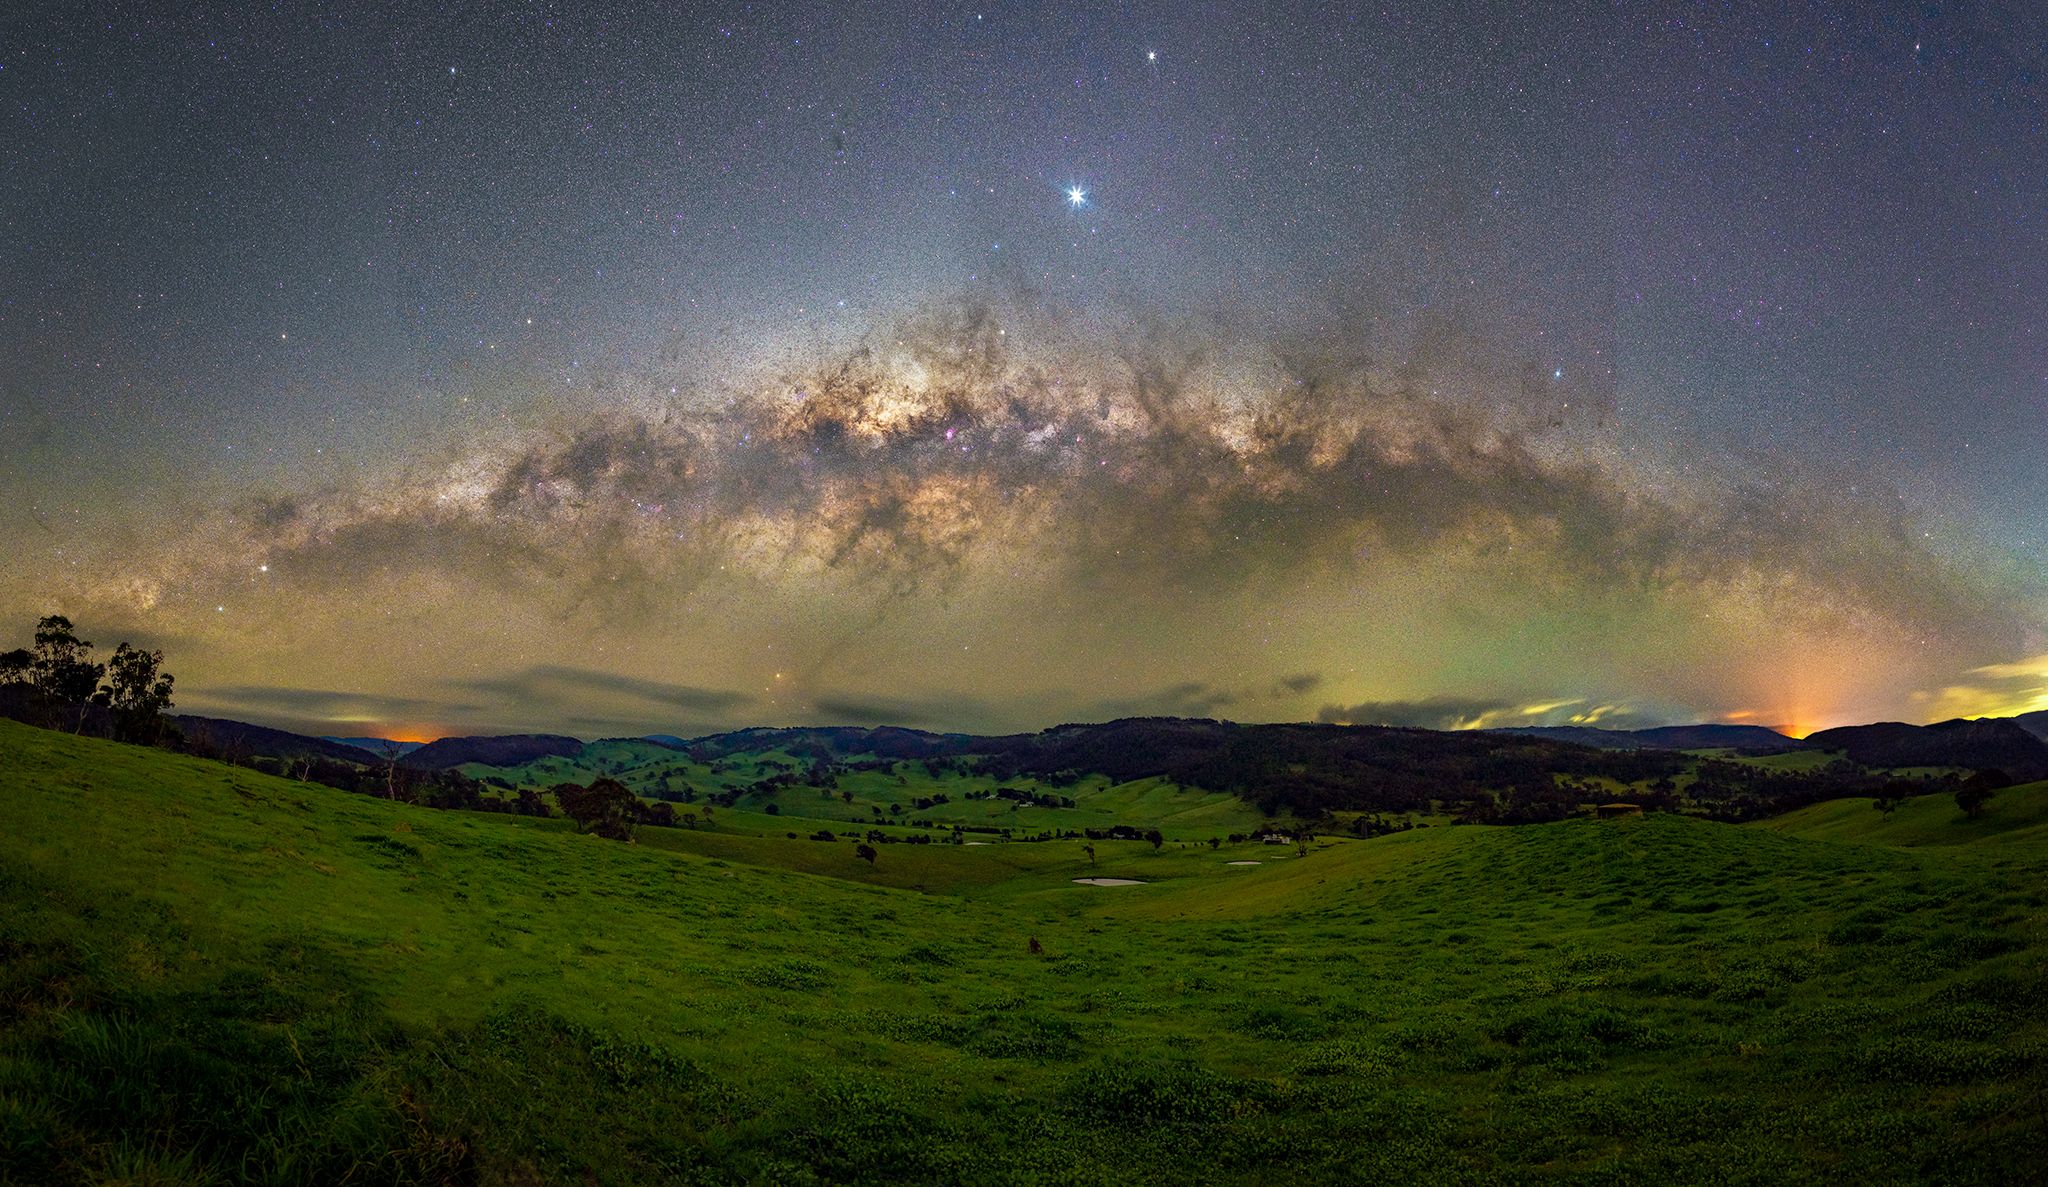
x: 984, y: 367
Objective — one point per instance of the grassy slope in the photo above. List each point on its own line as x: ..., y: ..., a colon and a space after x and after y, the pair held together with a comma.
x: 1653, y: 1000
x: 2016, y: 815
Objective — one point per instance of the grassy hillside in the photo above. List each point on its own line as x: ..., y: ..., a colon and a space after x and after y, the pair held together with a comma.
x: 2017, y: 815
x: 216, y: 976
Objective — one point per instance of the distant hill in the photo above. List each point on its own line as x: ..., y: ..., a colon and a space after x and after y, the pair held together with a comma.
x: 1665, y: 737
x: 1310, y: 768
x: 829, y: 742
x: 1300, y: 769
x: 1979, y: 745
x: 2034, y: 723
x: 377, y: 746
x: 665, y: 740
x: 232, y: 738
x: 506, y: 750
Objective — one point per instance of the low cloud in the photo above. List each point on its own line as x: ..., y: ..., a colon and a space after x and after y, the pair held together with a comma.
x: 320, y: 706
x: 550, y: 684
x: 1994, y: 690
x: 1465, y: 713
x: 548, y: 698
x: 942, y: 713
x: 1197, y: 698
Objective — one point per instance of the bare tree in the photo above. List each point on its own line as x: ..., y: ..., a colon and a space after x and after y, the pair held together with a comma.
x: 390, y: 752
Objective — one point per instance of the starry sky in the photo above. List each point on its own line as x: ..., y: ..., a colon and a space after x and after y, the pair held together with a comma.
x: 986, y: 366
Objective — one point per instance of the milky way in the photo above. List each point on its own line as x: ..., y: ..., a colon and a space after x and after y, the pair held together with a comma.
x: 948, y: 473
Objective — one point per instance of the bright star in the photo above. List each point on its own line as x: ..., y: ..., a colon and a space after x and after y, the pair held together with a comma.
x: 1076, y: 196
x: 1152, y: 55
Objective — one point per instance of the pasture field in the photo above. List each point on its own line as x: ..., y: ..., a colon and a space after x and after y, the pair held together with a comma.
x: 209, y: 975
x: 894, y: 794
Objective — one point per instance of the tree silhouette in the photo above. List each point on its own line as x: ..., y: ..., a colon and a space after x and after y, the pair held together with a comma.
x: 865, y: 852
x: 64, y: 673
x: 1977, y: 791
x: 390, y: 752
x: 138, y: 691
x: 1972, y: 800
x: 606, y: 808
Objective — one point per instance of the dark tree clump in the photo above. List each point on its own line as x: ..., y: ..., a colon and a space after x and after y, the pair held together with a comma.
x: 62, y: 669
x: 137, y: 691
x: 1977, y: 790
x: 606, y: 808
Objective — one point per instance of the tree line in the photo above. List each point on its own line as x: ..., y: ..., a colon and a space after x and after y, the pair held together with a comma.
x: 57, y: 682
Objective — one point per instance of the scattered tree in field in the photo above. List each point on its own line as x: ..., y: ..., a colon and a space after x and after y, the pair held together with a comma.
x: 138, y: 691
x: 1089, y: 849
x: 605, y: 808
x: 390, y: 752
x: 865, y: 852
x: 1037, y: 949
x: 1977, y: 790
x: 1887, y: 803
x: 1156, y: 837
x: 1214, y: 842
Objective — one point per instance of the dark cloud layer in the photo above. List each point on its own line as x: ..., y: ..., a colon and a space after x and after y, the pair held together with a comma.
x: 544, y: 697
x: 553, y: 685
x: 322, y: 705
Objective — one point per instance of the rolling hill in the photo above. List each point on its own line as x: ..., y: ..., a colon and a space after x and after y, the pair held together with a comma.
x: 2000, y: 744
x: 1667, y: 737
x: 496, y: 750
x: 216, y: 975
x: 241, y: 739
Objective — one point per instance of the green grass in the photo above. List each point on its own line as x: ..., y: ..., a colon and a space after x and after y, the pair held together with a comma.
x: 1789, y: 760
x: 2015, y: 815
x: 1190, y: 814
x: 216, y: 976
